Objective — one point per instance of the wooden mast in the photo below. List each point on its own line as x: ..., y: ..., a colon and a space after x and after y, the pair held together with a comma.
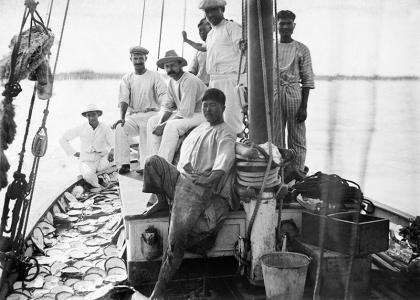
x: 257, y: 113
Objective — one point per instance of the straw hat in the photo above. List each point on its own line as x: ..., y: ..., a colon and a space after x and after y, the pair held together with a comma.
x: 90, y: 108
x: 171, y: 55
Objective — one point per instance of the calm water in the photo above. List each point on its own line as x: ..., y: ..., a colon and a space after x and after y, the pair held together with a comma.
x: 366, y: 131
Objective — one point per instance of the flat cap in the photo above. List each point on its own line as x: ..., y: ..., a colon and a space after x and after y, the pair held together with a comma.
x: 139, y: 50
x: 204, y: 4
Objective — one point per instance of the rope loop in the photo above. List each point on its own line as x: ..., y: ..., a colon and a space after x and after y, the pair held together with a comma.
x: 12, y: 89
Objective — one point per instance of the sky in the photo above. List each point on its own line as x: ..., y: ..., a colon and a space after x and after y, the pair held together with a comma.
x: 350, y: 37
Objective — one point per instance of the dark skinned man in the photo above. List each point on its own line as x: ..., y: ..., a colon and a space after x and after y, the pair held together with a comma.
x: 199, y: 189
x: 291, y: 100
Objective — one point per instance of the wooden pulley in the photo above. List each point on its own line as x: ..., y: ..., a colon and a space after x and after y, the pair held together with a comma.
x: 40, y: 142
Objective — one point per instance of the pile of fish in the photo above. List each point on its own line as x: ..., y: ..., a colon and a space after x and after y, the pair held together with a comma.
x: 79, y: 245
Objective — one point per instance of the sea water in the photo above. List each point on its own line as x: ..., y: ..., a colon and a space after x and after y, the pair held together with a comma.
x: 367, y: 131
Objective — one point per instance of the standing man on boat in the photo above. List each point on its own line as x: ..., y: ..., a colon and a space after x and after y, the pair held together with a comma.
x: 181, y: 111
x: 141, y: 93
x: 296, y: 78
x: 223, y: 46
x: 199, y: 189
x: 96, y: 145
x: 198, y: 65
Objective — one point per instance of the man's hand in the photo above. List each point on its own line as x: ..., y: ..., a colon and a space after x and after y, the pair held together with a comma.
x: 111, y: 155
x: 301, y: 114
x: 205, y: 181
x: 159, y: 129
x: 121, y: 121
x: 184, y: 36
x: 77, y: 154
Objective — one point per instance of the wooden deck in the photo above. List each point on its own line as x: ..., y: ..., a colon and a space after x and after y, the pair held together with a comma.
x: 220, y: 269
x: 134, y: 201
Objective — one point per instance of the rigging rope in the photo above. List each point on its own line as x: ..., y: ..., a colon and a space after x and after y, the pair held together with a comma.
x: 160, y: 30
x: 183, y: 25
x: 41, y: 134
x: 142, y: 21
x: 49, y: 12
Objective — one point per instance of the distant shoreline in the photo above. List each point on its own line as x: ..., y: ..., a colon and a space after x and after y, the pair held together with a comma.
x: 90, y: 75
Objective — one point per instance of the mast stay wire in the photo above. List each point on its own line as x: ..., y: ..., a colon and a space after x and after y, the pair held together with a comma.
x: 35, y: 164
x: 49, y: 12
x: 160, y: 31
x: 142, y: 21
x: 183, y: 25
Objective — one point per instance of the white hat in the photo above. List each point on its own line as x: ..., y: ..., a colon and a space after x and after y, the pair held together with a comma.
x: 204, y: 4
x: 90, y: 108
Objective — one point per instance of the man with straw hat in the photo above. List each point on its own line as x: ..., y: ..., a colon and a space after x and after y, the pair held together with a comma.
x: 141, y: 93
x: 181, y: 111
x: 96, y: 145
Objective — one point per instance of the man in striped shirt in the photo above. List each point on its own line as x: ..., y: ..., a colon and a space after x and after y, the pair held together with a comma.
x: 293, y: 70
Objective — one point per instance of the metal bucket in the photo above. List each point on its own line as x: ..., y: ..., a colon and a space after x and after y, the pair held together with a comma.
x: 284, y: 275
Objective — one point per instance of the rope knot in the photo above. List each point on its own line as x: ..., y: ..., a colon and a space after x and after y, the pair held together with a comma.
x: 11, y: 89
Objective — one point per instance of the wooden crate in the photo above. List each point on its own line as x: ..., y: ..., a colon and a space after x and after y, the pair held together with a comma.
x: 373, y: 232
x: 334, y: 271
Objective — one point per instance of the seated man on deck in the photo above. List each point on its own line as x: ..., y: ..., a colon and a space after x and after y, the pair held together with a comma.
x: 142, y: 92
x: 181, y: 111
x: 200, y: 188
x: 96, y: 145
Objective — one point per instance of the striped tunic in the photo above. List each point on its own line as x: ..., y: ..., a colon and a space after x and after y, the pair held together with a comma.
x: 294, y: 72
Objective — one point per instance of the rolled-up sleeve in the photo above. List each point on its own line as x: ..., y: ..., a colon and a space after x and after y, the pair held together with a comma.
x: 225, y: 153
x: 235, y: 32
x: 305, y: 69
x: 160, y: 89
x: 168, y: 103
x: 124, y: 91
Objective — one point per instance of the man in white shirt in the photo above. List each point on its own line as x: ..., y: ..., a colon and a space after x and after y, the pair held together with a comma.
x: 181, y: 111
x: 141, y: 93
x: 223, y: 47
x: 96, y: 145
x: 198, y: 65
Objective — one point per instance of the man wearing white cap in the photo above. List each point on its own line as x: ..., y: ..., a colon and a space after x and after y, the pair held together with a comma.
x: 141, y: 93
x: 223, y: 55
x: 181, y: 111
x: 96, y: 145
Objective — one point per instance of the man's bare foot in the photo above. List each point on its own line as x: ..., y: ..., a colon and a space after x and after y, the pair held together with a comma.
x: 159, y: 205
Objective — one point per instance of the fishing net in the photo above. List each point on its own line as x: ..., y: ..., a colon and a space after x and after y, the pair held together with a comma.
x: 34, y: 47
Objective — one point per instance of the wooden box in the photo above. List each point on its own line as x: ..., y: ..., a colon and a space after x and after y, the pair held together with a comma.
x: 335, y: 270
x: 373, y: 232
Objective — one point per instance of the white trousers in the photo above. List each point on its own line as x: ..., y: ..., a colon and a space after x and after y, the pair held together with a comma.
x: 135, y: 125
x: 89, y: 169
x: 166, y: 145
x: 227, y: 84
